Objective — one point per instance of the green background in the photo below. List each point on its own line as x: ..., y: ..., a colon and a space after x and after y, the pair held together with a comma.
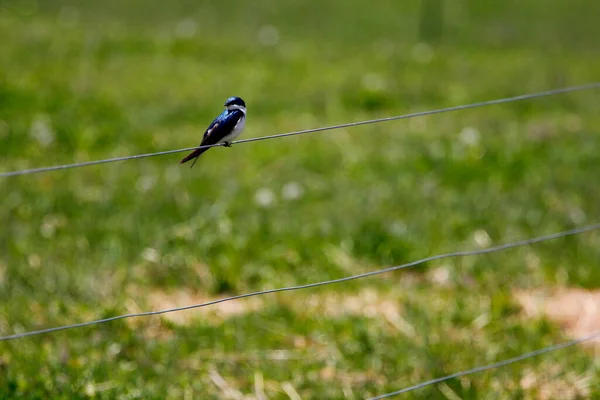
x: 89, y: 80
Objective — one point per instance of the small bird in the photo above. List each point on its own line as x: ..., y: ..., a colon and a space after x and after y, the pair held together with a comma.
x: 225, y: 128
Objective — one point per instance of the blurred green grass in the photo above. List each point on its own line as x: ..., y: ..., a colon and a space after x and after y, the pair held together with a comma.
x: 86, y: 80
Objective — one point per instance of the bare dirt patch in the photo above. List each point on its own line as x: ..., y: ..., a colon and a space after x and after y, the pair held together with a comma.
x: 367, y: 303
x: 162, y: 300
x: 576, y: 310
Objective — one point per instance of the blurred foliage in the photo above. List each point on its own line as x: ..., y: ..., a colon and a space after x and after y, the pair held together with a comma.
x: 89, y: 80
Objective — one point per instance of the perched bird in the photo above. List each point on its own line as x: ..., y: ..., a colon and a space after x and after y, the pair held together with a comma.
x: 225, y: 128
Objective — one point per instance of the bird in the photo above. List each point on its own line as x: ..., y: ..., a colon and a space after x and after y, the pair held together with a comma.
x: 225, y: 128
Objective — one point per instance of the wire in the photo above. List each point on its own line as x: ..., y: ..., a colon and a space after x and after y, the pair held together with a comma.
x: 592, y: 85
x: 311, y: 285
x: 492, y: 366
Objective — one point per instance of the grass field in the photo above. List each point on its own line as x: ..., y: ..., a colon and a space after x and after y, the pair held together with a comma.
x: 92, y: 80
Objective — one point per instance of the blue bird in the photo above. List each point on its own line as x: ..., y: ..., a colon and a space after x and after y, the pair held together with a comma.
x: 225, y: 128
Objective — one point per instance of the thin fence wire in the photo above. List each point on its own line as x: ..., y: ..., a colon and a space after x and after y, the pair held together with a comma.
x: 492, y: 366
x: 592, y: 85
x: 364, y: 275
x: 487, y: 250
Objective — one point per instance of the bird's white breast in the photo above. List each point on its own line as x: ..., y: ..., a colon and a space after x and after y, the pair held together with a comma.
x: 237, y: 130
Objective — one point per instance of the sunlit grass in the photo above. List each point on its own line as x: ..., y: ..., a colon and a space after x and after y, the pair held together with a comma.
x: 90, y: 82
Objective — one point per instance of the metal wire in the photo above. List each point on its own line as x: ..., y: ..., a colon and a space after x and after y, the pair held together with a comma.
x: 311, y: 285
x: 592, y: 85
x: 492, y: 366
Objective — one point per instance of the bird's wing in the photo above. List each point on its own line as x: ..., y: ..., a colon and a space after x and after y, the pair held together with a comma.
x: 207, y: 139
x: 213, y: 125
x: 222, y: 126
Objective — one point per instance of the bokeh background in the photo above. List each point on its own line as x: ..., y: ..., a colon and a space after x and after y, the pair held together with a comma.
x: 88, y: 80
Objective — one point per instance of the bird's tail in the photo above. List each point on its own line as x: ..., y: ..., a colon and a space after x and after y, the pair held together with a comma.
x: 193, y: 155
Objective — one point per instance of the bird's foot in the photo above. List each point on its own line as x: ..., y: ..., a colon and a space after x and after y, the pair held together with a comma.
x: 227, y: 144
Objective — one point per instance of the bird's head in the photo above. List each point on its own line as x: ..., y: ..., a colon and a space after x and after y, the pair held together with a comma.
x: 235, y: 103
